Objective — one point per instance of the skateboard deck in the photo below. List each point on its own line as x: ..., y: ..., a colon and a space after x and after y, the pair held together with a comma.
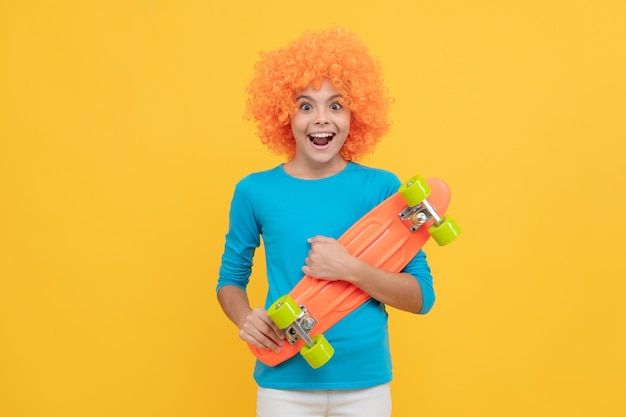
x: 384, y: 238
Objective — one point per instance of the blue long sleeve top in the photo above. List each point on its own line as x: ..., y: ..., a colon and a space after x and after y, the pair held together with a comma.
x: 284, y: 212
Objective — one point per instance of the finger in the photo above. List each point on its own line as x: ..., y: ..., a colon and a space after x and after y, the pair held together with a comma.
x: 278, y: 333
x: 259, y: 339
x: 261, y: 331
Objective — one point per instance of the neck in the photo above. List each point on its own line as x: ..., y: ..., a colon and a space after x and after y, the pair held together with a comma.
x: 314, y: 171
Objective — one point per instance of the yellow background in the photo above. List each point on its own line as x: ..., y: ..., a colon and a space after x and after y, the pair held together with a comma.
x: 121, y: 138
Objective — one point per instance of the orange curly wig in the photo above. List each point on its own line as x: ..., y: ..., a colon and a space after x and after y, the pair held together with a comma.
x: 337, y: 55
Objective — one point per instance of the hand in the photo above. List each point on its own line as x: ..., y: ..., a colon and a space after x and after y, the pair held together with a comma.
x: 260, y: 331
x: 327, y: 259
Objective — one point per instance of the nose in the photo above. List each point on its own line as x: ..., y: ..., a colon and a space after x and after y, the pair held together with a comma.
x: 321, y: 118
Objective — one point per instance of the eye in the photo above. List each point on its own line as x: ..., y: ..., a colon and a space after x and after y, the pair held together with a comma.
x: 336, y: 106
x: 305, y: 107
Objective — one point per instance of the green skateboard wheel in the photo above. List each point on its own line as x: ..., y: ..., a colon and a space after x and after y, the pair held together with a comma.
x: 284, y: 311
x: 318, y: 354
x: 414, y: 190
x: 446, y: 232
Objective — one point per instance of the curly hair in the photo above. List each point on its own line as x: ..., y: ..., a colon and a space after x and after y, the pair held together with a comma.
x: 337, y: 55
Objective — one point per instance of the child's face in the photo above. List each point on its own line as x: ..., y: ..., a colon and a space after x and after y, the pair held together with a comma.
x: 320, y: 125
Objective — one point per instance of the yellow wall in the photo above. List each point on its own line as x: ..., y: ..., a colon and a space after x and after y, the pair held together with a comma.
x: 121, y: 139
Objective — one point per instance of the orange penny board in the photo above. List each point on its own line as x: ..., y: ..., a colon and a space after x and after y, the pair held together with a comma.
x: 379, y: 238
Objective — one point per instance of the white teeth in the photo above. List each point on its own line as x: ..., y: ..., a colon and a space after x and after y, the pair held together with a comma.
x: 321, y: 135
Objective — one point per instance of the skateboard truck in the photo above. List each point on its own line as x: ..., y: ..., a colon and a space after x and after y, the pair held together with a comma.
x: 296, y: 323
x: 414, y: 217
x: 419, y: 211
x: 300, y: 328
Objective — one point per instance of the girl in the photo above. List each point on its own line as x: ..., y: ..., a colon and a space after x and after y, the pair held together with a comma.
x: 322, y: 104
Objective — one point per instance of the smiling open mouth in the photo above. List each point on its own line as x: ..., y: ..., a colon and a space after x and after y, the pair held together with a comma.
x: 321, y: 139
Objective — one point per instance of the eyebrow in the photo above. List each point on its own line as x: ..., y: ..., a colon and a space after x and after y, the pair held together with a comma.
x: 311, y: 98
